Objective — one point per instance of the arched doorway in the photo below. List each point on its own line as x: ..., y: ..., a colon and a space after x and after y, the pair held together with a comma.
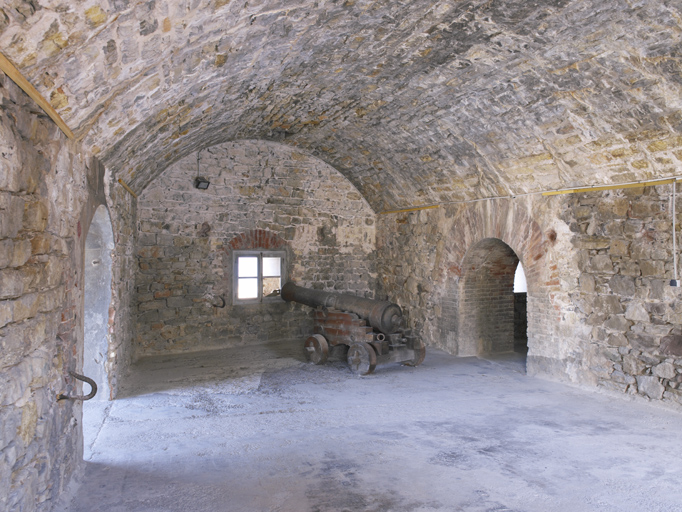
x: 99, y: 245
x: 487, y: 304
x: 520, y: 311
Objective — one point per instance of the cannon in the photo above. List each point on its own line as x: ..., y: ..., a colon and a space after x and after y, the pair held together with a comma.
x: 341, y: 322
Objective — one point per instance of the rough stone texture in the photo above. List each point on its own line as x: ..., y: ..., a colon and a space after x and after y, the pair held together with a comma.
x: 123, y: 309
x: 634, y: 312
x: 482, y: 98
x: 415, y: 103
x: 186, y: 237
x: 46, y: 186
x: 428, y: 259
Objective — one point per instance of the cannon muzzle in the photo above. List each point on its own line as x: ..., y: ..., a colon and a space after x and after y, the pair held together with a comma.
x: 386, y: 317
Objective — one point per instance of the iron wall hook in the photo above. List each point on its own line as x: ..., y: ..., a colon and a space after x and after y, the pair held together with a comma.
x: 83, y: 378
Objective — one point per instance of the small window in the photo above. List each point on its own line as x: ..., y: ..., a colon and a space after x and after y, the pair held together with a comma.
x: 258, y: 276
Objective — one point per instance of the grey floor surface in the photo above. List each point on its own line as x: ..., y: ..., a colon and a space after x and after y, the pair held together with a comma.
x: 257, y: 429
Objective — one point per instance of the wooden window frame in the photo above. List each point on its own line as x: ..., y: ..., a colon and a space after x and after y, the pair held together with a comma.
x: 260, y: 254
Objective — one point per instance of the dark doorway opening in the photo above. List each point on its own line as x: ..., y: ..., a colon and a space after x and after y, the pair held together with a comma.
x: 493, y: 318
x: 520, y: 311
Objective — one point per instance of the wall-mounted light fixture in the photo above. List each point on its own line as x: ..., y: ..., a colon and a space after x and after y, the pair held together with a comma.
x: 201, y: 183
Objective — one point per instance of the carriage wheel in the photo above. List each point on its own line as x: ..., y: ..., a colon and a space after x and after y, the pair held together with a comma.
x: 317, y: 349
x: 361, y: 358
x: 419, y: 354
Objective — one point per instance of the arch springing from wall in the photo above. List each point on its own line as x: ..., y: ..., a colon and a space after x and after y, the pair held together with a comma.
x: 99, y: 245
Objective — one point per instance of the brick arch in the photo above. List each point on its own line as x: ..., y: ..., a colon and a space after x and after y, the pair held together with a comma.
x: 496, y: 224
x: 257, y: 239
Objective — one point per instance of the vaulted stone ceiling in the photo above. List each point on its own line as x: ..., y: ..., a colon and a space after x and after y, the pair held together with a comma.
x: 415, y: 102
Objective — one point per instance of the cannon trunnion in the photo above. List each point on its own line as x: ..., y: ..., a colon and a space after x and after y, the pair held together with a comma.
x: 341, y: 320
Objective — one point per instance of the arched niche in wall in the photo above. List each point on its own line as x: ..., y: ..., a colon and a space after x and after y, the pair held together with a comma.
x: 260, y: 195
x: 486, y: 323
x: 99, y: 245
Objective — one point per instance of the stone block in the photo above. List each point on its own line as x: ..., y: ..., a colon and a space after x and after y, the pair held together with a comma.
x: 599, y: 334
x: 671, y: 345
x: 6, y: 312
x: 151, y: 305
x: 617, y: 340
x: 674, y: 395
x: 656, y: 308
x: 650, y: 268
x: 637, y: 313
x: 182, y: 241
x: 641, y: 250
x: 10, y: 419
x: 26, y: 307
x: 592, y: 242
x: 40, y: 244
x: 587, y: 283
x: 608, y: 304
x: 632, y: 365
x: 12, y: 283
x: 146, y: 239
x: 12, y: 208
x: 617, y: 323
x: 633, y: 226
x: 665, y: 371
x: 619, y: 248
x: 582, y: 212
x: 650, y: 386
x: 629, y: 268
x: 22, y: 253
x: 650, y: 359
x: 601, y: 263
x: 35, y: 216
x: 642, y: 210
x: 622, y: 378
x: 596, y: 318
x: 178, y: 302
x: 658, y: 330
x: 622, y: 285
x: 6, y: 252
x: 641, y: 341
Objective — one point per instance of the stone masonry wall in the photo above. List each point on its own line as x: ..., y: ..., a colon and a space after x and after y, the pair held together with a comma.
x: 123, y: 309
x: 421, y: 260
x: 600, y: 309
x: 186, y: 237
x: 47, y: 187
x: 623, y: 250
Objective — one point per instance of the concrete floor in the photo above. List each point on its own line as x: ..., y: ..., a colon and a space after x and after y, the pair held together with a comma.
x: 257, y: 429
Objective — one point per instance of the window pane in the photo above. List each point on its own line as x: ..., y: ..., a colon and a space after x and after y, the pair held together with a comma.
x: 247, y: 288
x: 271, y: 286
x: 247, y: 266
x: 272, y: 267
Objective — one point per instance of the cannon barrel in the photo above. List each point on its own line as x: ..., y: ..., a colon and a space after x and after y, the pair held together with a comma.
x: 387, y: 317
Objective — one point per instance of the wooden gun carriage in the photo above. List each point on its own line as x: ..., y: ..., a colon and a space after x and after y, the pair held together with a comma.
x: 341, y: 320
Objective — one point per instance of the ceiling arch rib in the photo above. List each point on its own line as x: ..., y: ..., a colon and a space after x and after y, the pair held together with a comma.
x: 415, y: 103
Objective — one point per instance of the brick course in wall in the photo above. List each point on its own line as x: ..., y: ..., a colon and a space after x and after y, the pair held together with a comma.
x: 262, y: 195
